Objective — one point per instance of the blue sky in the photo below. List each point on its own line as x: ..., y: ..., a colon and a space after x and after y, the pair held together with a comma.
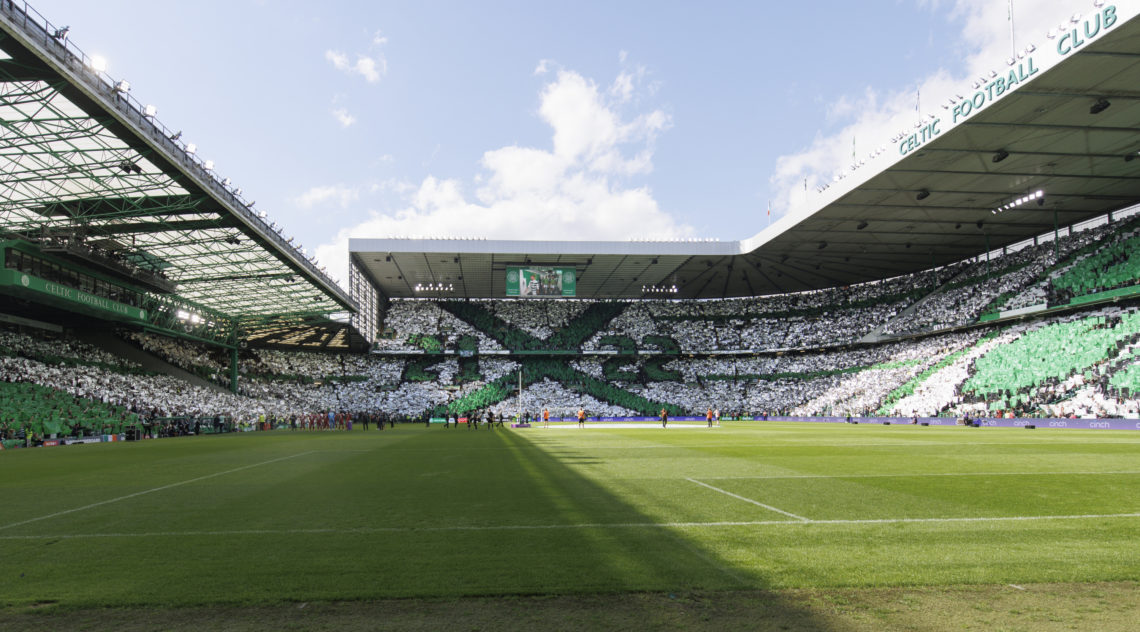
x: 560, y: 120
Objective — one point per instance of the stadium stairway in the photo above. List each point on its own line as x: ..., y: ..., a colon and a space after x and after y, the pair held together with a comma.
x: 108, y: 341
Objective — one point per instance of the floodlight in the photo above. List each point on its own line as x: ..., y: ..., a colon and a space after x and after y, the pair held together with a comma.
x: 176, y: 135
x: 1100, y: 106
x: 98, y: 64
x: 922, y: 195
x: 191, y: 149
x: 209, y: 165
x: 1000, y: 155
x: 123, y: 86
x: 149, y: 111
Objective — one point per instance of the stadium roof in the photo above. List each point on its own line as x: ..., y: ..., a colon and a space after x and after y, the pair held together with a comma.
x: 1061, y: 119
x: 85, y: 163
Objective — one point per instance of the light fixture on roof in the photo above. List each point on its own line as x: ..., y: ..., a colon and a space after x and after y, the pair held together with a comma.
x: 862, y: 225
x: 176, y: 135
x: 123, y: 86
x: 226, y: 182
x: 237, y: 191
x: 98, y: 64
x: 1000, y: 155
x: 1038, y: 195
x: 61, y: 32
x: 922, y: 195
x: 1100, y: 106
x: 822, y: 245
x: 191, y: 149
x: 149, y: 111
x: 209, y: 165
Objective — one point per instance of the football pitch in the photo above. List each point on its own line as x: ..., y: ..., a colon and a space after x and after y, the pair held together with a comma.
x: 428, y: 513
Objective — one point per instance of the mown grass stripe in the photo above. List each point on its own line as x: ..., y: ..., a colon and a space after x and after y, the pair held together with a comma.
x: 152, y: 490
x: 561, y: 527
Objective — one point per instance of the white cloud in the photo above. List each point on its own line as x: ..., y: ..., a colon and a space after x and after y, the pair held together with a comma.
x: 372, y: 67
x: 320, y: 195
x: 343, y: 117
x: 875, y: 115
x: 543, y: 67
x: 579, y: 188
x: 339, y: 60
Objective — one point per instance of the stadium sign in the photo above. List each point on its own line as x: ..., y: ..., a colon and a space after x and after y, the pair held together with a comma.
x: 1067, y: 42
x: 67, y: 296
x: 539, y: 282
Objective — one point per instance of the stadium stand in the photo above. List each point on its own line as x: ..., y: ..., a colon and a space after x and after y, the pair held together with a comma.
x: 797, y: 355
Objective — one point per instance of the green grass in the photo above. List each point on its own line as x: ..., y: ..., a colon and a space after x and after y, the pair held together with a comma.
x: 269, y: 518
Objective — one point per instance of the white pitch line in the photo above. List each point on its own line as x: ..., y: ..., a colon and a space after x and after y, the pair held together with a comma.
x: 749, y: 500
x: 918, y: 475
x: 155, y: 489
x: 550, y: 527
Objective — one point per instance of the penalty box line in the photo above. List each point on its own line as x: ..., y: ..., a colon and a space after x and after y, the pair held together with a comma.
x: 749, y: 500
x: 152, y: 490
x: 555, y: 527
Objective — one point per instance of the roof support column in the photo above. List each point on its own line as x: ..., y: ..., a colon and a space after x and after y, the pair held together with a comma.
x: 234, y: 360
x: 987, y: 236
x: 1056, y: 237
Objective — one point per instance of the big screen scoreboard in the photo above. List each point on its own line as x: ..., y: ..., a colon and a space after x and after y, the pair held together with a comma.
x: 541, y: 282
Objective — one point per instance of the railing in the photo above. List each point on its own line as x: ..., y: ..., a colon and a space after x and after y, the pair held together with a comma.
x: 54, y: 41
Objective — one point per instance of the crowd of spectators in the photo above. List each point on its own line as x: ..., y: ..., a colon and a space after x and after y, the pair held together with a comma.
x: 796, y: 354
